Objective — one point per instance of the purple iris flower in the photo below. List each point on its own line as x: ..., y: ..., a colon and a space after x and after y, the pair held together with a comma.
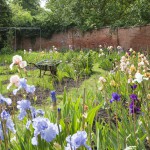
x: 53, y: 96
x: 134, y: 86
x: 133, y: 97
x: 129, y: 53
x: 59, y: 114
x: 133, y: 108
x: 5, y: 100
x: 76, y: 140
x: 59, y: 110
x: 115, y: 97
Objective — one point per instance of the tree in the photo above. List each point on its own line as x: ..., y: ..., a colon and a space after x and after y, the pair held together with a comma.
x: 20, y: 17
x: 29, y: 5
x: 5, y: 21
x: 5, y: 14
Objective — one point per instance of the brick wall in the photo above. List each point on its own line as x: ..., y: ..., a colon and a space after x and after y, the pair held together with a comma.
x: 135, y: 37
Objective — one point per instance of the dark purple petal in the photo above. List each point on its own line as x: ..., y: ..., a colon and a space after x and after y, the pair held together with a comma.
x: 133, y: 87
x: 133, y: 108
x: 133, y: 97
x: 59, y: 109
x: 129, y: 53
x: 111, y: 100
x: 116, y: 96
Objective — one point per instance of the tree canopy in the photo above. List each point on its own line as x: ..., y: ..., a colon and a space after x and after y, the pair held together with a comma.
x: 5, y: 21
x: 5, y: 14
x: 59, y: 15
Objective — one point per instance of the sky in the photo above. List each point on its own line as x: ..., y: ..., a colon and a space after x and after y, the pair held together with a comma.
x: 43, y: 3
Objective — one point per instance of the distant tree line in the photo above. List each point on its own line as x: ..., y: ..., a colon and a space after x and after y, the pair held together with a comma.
x: 60, y: 15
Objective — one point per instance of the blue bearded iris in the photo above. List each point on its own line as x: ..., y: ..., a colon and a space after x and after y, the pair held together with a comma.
x: 25, y: 107
x: 3, y: 100
x: 76, y: 140
x: 44, y: 128
x: 9, y: 123
x: 23, y: 84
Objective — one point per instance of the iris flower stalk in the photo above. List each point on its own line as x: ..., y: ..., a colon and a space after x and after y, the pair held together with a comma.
x: 53, y: 98
x: 116, y: 97
x: 58, y: 122
x: 133, y: 110
x: 5, y: 124
x: 118, y: 141
x: 83, y: 120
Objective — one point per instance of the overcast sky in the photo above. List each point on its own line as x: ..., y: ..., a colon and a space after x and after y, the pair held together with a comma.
x: 43, y: 3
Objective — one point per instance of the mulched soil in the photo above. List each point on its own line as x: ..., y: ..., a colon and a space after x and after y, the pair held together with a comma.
x: 68, y: 83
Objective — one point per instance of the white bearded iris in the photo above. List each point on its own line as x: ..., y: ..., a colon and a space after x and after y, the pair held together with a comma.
x: 139, y: 78
x: 17, y: 60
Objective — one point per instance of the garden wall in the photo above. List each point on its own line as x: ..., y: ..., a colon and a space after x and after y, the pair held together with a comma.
x: 135, y: 37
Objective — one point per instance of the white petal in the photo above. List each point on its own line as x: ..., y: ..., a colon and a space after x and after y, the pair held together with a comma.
x: 10, y: 84
x: 11, y: 66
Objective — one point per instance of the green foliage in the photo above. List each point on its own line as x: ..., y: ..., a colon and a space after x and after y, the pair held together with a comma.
x: 94, y: 14
x: 7, y: 49
x: 108, y: 61
x: 5, y: 14
x: 20, y: 16
x: 32, y: 5
x: 64, y: 14
x: 5, y: 21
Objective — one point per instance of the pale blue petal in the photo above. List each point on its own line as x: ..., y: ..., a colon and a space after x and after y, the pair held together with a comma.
x: 48, y: 134
x: 5, y: 115
x: 10, y: 125
x: 34, y: 141
x: 22, y: 114
x: 28, y: 124
x: 30, y: 89
x: 8, y: 101
x: 23, y: 83
x: 1, y: 135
